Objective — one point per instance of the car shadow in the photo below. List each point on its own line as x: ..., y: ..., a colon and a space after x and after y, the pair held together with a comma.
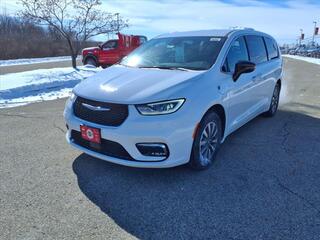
x: 253, y: 190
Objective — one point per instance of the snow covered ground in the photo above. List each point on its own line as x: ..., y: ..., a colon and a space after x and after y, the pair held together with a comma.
x: 306, y: 59
x: 39, y: 85
x: 24, y: 61
x: 21, y: 88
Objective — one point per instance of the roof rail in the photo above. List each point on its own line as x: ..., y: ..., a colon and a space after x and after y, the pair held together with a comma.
x: 242, y: 28
x: 251, y: 29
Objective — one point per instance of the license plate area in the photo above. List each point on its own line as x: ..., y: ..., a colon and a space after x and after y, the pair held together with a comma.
x: 91, y: 134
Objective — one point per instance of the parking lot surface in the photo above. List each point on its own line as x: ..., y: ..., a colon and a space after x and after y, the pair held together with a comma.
x: 264, y: 184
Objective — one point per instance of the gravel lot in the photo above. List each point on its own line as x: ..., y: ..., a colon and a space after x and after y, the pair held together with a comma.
x: 264, y: 184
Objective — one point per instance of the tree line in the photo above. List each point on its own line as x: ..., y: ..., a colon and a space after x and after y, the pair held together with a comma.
x: 21, y: 38
x: 55, y: 27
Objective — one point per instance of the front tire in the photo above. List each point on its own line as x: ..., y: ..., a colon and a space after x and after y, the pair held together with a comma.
x: 274, y: 102
x: 90, y: 61
x: 105, y: 66
x: 206, y: 142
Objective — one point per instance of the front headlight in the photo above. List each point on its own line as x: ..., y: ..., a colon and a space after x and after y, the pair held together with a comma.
x: 72, y: 97
x: 159, y: 108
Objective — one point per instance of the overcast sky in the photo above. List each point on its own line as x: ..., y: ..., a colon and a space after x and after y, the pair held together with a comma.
x: 281, y: 18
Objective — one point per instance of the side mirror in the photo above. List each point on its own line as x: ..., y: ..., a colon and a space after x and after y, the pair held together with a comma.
x: 243, y: 67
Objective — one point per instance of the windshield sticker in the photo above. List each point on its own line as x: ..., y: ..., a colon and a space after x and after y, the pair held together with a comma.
x: 215, y: 39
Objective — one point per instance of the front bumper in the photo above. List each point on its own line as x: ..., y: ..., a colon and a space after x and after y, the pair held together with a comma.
x: 175, y: 130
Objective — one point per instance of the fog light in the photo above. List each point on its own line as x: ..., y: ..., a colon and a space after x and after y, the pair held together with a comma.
x: 153, y: 149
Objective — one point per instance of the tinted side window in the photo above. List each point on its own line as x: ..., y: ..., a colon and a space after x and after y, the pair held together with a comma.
x: 237, y: 52
x: 271, y: 48
x: 257, y: 50
x: 110, y: 44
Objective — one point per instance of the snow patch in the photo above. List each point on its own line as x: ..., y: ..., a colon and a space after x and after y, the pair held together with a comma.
x: 306, y: 59
x: 24, y: 61
x: 18, y: 89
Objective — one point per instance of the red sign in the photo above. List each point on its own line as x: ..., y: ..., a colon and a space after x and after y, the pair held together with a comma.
x: 90, y: 134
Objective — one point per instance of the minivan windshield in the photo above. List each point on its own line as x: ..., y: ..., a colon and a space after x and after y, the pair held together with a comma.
x: 182, y: 53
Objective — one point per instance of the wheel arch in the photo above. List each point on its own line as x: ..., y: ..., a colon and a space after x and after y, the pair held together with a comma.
x: 220, y: 110
x: 279, y: 82
x: 91, y: 56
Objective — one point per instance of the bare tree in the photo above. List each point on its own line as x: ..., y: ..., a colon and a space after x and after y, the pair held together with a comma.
x: 75, y: 20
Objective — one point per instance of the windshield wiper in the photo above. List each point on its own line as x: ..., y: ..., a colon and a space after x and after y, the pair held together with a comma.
x: 166, y: 67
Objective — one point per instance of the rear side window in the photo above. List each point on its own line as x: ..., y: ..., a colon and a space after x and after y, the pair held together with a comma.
x: 237, y: 52
x: 257, y: 50
x: 271, y: 48
x: 110, y: 44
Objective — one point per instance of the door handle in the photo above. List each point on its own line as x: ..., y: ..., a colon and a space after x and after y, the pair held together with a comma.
x: 256, y: 78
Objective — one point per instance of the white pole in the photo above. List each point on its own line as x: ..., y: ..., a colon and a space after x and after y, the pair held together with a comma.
x: 314, y: 30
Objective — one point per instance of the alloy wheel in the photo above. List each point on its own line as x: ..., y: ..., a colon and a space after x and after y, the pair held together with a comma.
x: 208, y: 143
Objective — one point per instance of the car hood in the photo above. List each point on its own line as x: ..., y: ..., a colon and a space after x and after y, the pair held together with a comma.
x: 90, y: 49
x: 120, y: 84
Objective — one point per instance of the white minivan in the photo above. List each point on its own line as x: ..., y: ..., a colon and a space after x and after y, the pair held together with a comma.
x: 176, y: 98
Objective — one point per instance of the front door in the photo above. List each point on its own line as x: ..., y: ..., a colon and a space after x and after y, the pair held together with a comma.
x: 110, y: 53
x: 240, y: 95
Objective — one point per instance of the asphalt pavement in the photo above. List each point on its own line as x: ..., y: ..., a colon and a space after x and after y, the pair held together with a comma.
x: 264, y: 184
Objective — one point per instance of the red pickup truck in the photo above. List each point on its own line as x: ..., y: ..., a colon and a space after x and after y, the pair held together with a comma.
x: 112, y: 51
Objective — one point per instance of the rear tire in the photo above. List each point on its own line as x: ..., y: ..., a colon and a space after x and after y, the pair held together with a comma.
x: 90, y: 61
x: 206, y: 142
x: 274, y: 102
